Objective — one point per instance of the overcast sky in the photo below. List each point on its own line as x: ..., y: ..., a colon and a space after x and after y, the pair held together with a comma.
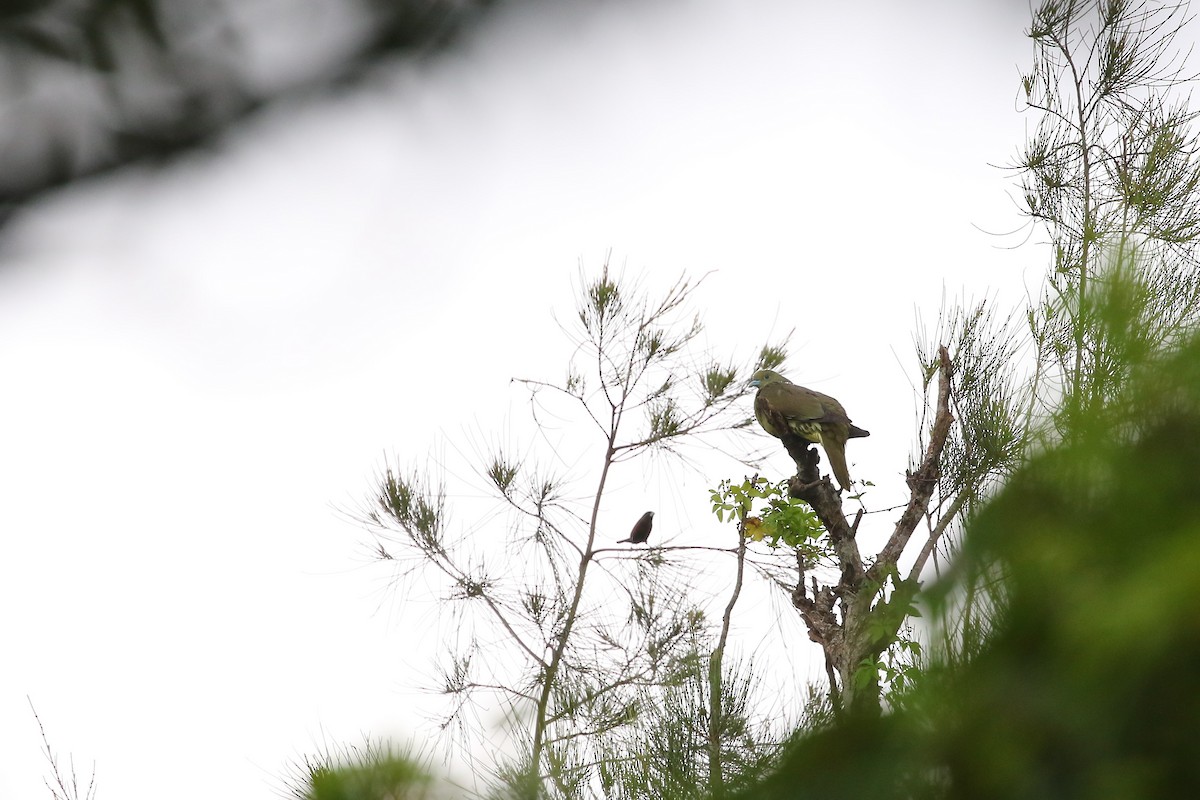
x: 202, y: 363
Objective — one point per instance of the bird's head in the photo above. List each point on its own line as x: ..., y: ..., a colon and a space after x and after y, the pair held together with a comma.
x: 765, y: 377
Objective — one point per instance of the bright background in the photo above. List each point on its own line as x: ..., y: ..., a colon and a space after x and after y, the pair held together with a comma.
x: 202, y: 364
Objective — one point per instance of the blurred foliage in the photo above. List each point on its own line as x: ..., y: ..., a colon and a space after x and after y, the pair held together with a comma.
x: 381, y: 779
x: 93, y: 84
x: 373, y: 770
x: 1085, y: 688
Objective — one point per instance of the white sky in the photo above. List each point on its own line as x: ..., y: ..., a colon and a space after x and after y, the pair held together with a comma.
x: 201, y: 362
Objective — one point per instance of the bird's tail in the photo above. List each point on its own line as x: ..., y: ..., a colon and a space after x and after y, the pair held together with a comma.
x: 837, y: 461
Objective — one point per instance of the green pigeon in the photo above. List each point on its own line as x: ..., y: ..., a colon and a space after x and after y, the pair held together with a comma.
x: 782, y: 407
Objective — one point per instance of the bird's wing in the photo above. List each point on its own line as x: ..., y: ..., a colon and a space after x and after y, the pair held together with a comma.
x: 832, y: 410
x: 797, y: 403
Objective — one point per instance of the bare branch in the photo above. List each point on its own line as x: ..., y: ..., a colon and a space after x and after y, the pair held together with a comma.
x: 923, y: 481
x: 936, y: 533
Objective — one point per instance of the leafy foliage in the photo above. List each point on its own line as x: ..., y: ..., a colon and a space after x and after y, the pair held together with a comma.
x: 1111, y: 174
x: 782, y: 520
x: 667, y: 754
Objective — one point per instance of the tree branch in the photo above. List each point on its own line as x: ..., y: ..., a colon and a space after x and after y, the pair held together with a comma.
x: 936, y: 534
x: 924, y: 480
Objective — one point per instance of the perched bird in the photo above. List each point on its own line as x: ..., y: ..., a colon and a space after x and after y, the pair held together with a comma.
x: 782, y: 407
x: 641, y: 530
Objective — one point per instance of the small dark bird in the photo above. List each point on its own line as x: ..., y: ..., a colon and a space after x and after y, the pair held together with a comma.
x: 814, y: 417
x: 641, y: 531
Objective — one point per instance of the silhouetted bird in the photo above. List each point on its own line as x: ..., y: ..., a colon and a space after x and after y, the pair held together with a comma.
x: 641, y: 531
